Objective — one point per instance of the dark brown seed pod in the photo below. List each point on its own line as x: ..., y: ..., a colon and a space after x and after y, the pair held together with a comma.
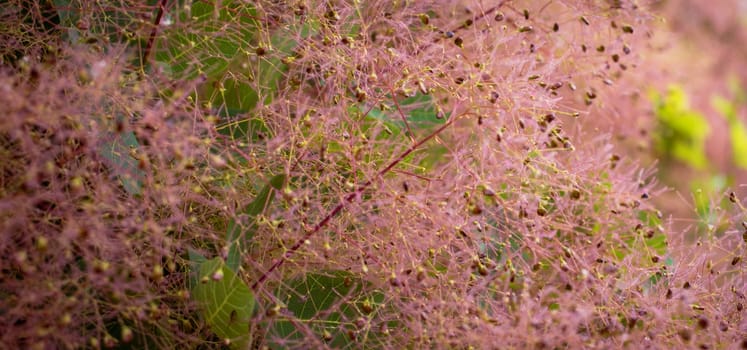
x: 394, y: 281
x: 702, y: 322
x: 614, y: 159
x: 332, y: 16
x: 494, y: 97
x: 575, y: 194
x: 300, y: 10
x: 541, y: 211
x: 685, y: 334
x: 555, y: 27
x: 424, y: 19
x: 650, y: 233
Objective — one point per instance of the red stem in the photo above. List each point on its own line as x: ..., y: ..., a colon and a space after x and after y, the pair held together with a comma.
x: 349, y: 198
x: 153, y: 32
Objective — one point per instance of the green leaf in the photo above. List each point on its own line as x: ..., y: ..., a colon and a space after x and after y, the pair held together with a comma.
x: 125, y: 167
x: 648, y: 218
x: 312, y: 298
x: 658, y: 243
x: 68, y: 16
x: 737, y: 130
x: 221, y: 42
x: 236, y: 234
x: 195, y: 260
x: 283, y: 42
x: 420, y: 110
x: 65, y: 12
x: 226, y: 302
x: 217, y: 36
x: 432, y: 156
x: 239, y: 126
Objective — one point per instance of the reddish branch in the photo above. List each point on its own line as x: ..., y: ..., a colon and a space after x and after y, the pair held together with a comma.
x: 348, y: 199
x: 154, y: 31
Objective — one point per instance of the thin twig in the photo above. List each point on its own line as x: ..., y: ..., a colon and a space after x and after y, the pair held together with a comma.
x: 402, y: 115
x: 348, y: 199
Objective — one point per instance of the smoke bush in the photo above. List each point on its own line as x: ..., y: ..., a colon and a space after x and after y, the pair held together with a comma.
x: 369, y: 174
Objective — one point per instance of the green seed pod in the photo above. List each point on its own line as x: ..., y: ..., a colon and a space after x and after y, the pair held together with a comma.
x: 42, y: 243
x: 157, y: 273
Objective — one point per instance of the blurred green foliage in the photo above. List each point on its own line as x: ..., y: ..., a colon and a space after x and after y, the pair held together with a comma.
x: 737, y: 130
x: 681, y: 136
x: 682, y: 131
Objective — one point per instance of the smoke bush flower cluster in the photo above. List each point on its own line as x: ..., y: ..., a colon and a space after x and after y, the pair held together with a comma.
x: 391, y: 174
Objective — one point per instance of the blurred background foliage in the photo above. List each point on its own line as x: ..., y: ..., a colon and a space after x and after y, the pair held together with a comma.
x: 697, y: 134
